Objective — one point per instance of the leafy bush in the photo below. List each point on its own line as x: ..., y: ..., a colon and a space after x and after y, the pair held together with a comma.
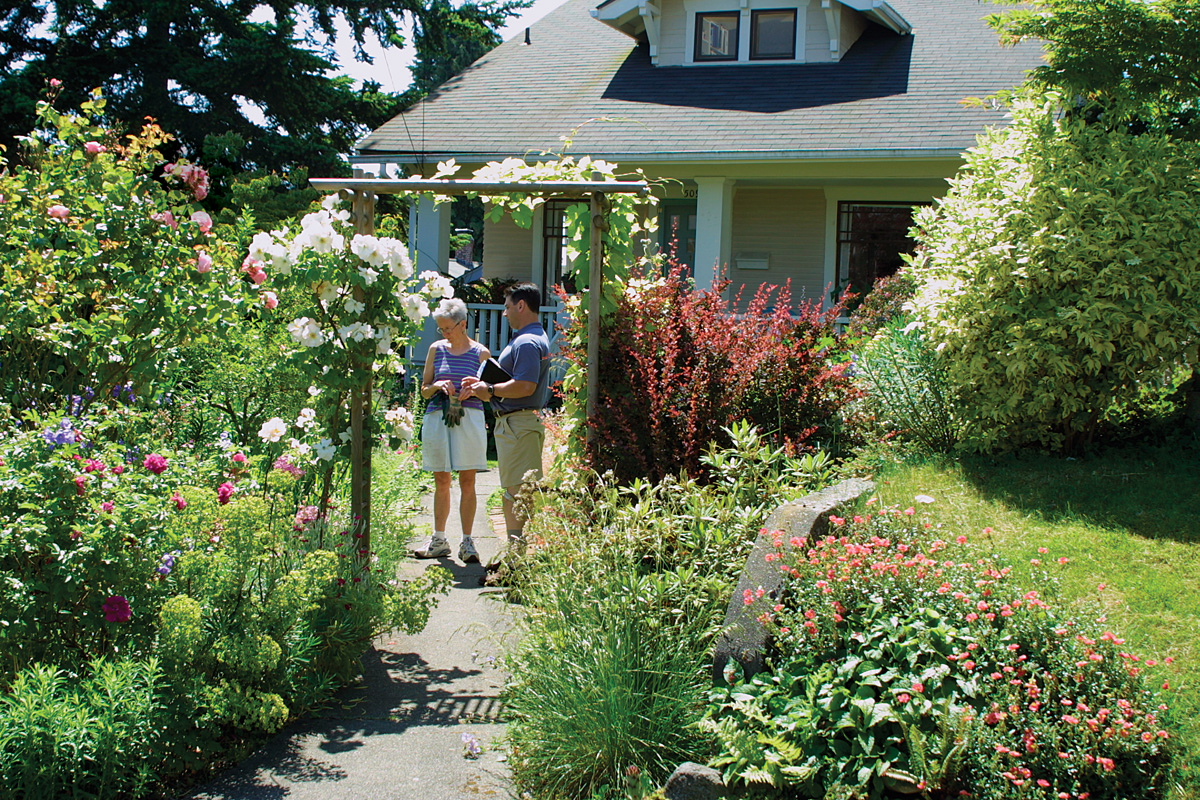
x: 103, y: 265
x: 255, y: 605
x: 904, y: 384
x: 908, y: 663
x: 883, y: 305
x: 625, y: 586
x: 94, y: 737
x: 1060, y: 274
x: 678, y: 365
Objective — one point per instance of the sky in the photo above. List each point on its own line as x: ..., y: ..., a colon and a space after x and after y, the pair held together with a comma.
x: 391, y: 64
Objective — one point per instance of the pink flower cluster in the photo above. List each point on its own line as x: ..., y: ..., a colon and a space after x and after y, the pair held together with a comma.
x: 193, y: 177
x: 224, y: 493
x: 284, y: 465
x: 155, y: 463
x: 304, y: 516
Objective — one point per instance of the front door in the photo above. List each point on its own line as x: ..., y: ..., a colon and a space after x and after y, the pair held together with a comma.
x: 677, y: 232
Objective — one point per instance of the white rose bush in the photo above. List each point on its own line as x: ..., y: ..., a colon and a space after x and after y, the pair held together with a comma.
x: 365, y: 304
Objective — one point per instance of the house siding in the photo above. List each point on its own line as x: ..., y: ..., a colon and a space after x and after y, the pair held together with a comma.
x: 672, y: 31
x: 789, y: 225
x: 508, y: 249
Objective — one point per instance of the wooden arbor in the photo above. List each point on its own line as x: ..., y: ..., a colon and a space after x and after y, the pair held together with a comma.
x: 363, y: 193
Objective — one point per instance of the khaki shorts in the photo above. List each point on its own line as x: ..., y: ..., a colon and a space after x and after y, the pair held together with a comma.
x: 519, y: 440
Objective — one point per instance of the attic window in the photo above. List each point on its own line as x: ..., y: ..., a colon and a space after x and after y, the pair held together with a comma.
x: 717, y: 36
x: 773, y: 34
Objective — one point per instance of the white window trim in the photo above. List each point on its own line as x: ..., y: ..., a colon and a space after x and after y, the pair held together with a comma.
x: 693, y: 7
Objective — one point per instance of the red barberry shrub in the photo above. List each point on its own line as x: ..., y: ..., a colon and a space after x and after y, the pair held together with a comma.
x: 676, y: 365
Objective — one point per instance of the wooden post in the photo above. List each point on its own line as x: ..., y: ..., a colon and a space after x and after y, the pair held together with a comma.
x: 595, y: 291
x: 363, y: 211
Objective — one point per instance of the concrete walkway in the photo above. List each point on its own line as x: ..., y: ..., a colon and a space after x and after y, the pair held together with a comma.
x: 398, y: 734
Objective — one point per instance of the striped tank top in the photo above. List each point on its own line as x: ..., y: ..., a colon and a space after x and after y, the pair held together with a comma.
x: 446, y: 365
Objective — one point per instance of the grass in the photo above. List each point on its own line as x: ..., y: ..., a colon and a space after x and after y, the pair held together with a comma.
x: 1128, y: 521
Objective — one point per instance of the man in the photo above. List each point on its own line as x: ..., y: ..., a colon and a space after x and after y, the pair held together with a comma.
x: 515, y: 402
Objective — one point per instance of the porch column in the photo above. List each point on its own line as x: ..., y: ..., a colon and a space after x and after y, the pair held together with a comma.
x: 429, y: 235
x: 714, y: 226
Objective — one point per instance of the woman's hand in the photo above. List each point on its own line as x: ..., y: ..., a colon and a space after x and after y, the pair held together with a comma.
x: 446, y: 386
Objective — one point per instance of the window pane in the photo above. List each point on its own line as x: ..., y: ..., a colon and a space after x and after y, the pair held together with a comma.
x: 871, y: 237
x: 717, y: 36
x: 773, y: 34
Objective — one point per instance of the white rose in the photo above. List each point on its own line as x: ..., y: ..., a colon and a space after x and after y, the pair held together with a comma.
x: 272, y: 430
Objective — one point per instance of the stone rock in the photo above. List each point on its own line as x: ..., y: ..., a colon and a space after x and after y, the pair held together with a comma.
x: 692, y: 781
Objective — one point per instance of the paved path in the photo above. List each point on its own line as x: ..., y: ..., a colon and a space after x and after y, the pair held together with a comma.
x: 398, y: 734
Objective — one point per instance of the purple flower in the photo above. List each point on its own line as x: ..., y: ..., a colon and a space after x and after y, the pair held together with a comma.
x: 155, y: 463
x: 116, y: 609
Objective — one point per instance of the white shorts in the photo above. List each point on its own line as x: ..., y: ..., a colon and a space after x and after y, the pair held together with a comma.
x: 454, y: 449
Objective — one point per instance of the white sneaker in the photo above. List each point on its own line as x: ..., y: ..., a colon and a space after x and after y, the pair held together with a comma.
x: 467, y: 552
x: 434, y: 548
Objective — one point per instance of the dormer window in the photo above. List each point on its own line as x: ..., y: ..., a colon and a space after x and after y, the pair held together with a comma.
x: 773, y: 34
x: 744, y: 31
x: 717, y: 36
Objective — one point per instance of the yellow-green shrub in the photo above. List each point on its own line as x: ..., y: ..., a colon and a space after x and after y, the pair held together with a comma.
x: 1061, y: 273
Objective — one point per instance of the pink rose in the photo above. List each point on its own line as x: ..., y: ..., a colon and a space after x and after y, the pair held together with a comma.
x: 270, y: 300
x: 203, y: 220
x: 204, y: 262
x: 106, y: 506
x: 94, y: 147
x: 118, y: 469
x: 55, y: 83
x: 166, y: 218
x: 224, y: 492
x: 238, y: 458
x: 80, y: 483
x: 58, y: 211
x: 179, y: 502
x: 155, y: 463
x: 258, y: 277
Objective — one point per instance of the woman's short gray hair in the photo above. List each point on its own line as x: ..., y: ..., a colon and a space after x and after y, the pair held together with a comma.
x: 452, y: 309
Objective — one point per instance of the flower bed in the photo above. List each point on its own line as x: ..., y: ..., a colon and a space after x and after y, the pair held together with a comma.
x: 909, y: 661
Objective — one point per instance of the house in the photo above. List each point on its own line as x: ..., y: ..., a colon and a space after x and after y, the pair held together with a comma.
x: 795, y: 135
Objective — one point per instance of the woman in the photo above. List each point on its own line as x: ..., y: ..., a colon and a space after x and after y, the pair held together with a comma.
x: 453, y: 435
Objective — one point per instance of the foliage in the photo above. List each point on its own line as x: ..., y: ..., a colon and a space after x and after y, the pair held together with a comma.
x: 1126, y: 519
x: 256, y: 605
x: 905, y: 385
x: 93, y: 737
x: 883, y: 305
x: 187, y: 66
x: 909, y: 663
x: 104, y: 267
x: 625, y: 586
x: 1128, y: 62
x: 678, y: 365
x: 1046, y: 290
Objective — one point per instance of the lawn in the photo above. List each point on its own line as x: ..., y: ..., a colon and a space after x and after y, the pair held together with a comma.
x: 1128, y: 521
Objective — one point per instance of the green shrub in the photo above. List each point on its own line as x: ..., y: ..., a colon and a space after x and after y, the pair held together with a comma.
x: 625, y: 587
x: 908, y: 663
x: 904, y: 385
x: 256, y: 607
x: 1060, y: 274
x: 81, y: 738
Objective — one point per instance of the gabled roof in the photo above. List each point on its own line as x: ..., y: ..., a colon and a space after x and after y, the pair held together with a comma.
x: 891, y: 96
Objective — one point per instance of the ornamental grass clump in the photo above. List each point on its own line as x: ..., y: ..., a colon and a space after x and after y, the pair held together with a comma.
x: 907, y: 660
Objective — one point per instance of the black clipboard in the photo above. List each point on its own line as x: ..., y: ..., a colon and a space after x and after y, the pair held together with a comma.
x: 490, y: 371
